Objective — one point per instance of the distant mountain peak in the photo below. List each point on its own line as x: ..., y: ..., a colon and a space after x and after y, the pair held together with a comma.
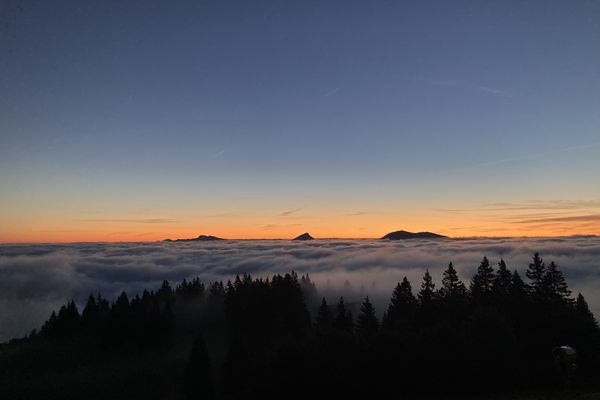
x: 401, y: 235
x: 208, y: 237
x: 200, y: 238
x: 304, y: 236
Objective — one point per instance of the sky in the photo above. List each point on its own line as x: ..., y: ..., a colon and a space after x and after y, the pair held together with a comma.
x: 145, y: 120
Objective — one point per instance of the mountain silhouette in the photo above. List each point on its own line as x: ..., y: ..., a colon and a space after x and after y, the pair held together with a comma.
x: 401, y: 235
x: 304, y: 236
x: 201, y: 238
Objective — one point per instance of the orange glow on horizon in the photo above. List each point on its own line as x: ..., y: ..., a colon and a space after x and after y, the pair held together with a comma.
x: 527, y: 218
x: 319, y: 228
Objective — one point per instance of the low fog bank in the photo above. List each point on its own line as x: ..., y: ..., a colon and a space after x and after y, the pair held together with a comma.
x: 36, y: 279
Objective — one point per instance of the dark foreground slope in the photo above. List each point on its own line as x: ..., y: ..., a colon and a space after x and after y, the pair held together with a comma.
x: 275, y: 338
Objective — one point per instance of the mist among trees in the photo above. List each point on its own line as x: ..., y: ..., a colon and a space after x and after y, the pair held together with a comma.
x: 280, y: 337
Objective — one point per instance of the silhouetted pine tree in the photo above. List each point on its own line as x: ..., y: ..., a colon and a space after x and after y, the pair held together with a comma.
x: 482, y: 283
x: 94, y: 316
x: 502, y: 282
x: 324, y: 320
x: 555, y: 286
x: 198, y: 373
x: 138, y: 324
x: 536, y: 273
x: 583, y: 310
x: 343, y: 320
x: 182, y: 287
x: 366, y: 324
x: 165, y: 293
x: 118, y: 327
x: 289, y: 307
x: 452, y: 286
x: 586, y: 340
x: 190, y: 290
x: 63, y: 325
x: 147, y: 300
x: 450, y: 326
x: 198, y: 288
x: 518, y: 300
x: 49, y: 329
x: 216, y: 291
x: 400, y: 312
x: 309, y: 289
x: 518, y: 288
x: 402, y: 295
x: 427, y: 292
x: 167, y: 323
x: 90, y: 311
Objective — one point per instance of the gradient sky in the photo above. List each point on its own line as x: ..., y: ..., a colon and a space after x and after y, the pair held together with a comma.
x: 140, y: 120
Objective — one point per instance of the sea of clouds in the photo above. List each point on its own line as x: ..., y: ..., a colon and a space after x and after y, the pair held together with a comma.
x: 36, y: 279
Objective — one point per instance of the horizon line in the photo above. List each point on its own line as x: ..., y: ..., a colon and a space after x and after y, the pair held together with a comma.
x: 319, y: 238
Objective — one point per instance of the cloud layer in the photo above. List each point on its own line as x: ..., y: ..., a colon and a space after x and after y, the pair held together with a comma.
x: 35, y: 279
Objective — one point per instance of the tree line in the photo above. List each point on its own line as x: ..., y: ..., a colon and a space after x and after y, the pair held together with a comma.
x: 492, y: 334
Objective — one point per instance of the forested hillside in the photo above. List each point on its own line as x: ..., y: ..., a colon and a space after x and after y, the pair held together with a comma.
x: 278, y: 337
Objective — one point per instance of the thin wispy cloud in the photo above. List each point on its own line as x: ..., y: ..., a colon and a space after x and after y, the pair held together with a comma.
x: 225, y: 215
x: 289, y: 212
x: 497, y: 92
x: 145, y: 234
x: 554, y: 216
x: 64, y: 230
x: 536, y: 215
x: 332, y: 91
x: 545, y: 204
x: 356, y: 213
x: 274, y: 226
x: 529, y: 205
x: 119, y: 233
x: 131, y: 220
x: 470, y: 86
x: 573, y: 218
x: 532, y: 156
x: 218, y: 154
x: 359, y: 213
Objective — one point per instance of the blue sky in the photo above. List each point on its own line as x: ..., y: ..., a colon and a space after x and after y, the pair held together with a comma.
x: 306, y: 104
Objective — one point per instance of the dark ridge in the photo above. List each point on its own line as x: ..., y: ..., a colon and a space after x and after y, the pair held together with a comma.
x: 401, y: 235
x: 201, y: 238
x: 304, y: 236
